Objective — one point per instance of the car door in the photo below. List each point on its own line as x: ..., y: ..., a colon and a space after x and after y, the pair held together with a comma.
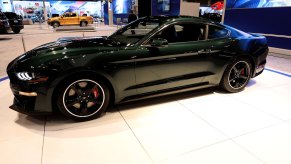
x: 64, y: 18
x: 74, y: 19
x: 179, y: 64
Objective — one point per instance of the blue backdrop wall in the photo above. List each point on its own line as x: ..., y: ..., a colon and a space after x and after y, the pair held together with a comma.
x: 274, y: 21
x: 165, y: 7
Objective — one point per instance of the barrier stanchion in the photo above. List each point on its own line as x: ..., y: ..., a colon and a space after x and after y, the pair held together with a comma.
x: 23, y: 43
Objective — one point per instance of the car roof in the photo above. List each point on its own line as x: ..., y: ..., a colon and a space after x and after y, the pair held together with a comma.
x: 165, y: 19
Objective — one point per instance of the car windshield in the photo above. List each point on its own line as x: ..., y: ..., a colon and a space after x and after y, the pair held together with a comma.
x: 134, y: 31
x: 10, y: 15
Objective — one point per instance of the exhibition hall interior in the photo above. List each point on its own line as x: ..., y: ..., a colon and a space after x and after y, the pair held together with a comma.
x: 140, y: 82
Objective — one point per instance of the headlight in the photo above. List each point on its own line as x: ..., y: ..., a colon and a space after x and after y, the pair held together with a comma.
x: 25, y: 76
x: 31, y: 77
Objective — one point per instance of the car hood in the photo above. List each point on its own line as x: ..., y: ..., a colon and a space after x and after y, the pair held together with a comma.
x: 66, y: 48
x: 75, y: 43
x: 72, y: 46
x: 54, y: 18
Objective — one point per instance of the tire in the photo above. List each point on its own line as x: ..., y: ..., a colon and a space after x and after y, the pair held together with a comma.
x: 56, y: 24
x: 236, y: 75
x: 16, y: 31
x: 82, y: 98
x: 83, y: 24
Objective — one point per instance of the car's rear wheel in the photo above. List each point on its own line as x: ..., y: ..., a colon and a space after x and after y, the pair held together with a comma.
x: 83, y: 98
x: 16, y: 31
x: 236, y: 75
x: 83, y: 23
x: 56, y: 24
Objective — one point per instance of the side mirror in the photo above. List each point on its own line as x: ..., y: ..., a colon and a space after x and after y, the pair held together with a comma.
x: 159, y: 42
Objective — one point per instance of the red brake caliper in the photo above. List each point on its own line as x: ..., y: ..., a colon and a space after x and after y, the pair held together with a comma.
x: 96, y: 93
x: 242, y: 72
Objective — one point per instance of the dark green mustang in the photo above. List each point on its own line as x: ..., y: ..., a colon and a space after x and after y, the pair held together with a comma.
x: 149, y: 57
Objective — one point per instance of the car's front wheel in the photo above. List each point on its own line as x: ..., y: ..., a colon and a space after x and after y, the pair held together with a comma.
x: 56, y: 24
x: 83, y: 99
x: 236, y: 75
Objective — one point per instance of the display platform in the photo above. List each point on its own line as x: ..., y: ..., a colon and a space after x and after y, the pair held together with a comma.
x: 75, y: 28
x: 206, y: 126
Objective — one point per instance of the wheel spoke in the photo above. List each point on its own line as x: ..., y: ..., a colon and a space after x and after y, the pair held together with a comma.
x: 232, y: 79
x: 71, y: 102
x: 243, y: 77
x: 237, y: 84
x: 235, y: 69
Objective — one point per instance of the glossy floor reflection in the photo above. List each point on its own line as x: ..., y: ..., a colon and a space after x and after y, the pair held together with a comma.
x: 205, y: 127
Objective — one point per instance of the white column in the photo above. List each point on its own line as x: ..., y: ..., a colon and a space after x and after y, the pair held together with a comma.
x: 44, y: 11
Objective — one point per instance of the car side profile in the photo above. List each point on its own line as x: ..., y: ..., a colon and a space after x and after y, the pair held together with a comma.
x: 151, y: 56
x: 70, y: 18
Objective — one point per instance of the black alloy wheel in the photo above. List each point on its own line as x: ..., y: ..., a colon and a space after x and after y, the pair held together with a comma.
x: 236, y: 75
x: 83, y: 99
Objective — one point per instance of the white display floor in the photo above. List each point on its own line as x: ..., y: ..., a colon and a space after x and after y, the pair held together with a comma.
x: 204, y: 127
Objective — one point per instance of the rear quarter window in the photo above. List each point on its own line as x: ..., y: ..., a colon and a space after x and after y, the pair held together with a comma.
x: 217, y: 32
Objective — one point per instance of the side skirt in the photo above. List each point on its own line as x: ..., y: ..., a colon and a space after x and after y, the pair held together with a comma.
x: 166, y: 92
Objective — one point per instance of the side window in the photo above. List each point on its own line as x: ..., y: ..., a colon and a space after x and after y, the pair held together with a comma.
x: 66, y: 15
x: 135, y: 31
x: 182, y: 33
x: 217, y: 32
x: 73, y: 15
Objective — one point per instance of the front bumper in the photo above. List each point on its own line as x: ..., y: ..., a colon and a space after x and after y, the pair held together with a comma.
x: 26, y: 106
x: 17, y: 27
x: 29, y: 98
x: 27, y: 103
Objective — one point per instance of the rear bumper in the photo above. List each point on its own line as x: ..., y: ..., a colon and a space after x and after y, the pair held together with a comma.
x: 261, y: 61
x: 259, y: 70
